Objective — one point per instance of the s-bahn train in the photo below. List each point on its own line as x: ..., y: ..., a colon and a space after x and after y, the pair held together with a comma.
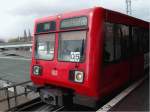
x: 85, y: 55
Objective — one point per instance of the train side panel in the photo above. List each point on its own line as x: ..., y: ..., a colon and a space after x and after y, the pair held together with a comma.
x: 120, y: 72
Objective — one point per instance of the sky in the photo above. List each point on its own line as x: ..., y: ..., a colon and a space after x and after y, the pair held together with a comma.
x: 17, y: 15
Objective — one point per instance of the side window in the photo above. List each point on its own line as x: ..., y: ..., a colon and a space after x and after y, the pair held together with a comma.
x: 135, y: 40
x: 117, y: 37
x: 108, y: 43
x: 125, y: 41
x: 141, y: 40
x: 147, y: 40
x: 139, y: 37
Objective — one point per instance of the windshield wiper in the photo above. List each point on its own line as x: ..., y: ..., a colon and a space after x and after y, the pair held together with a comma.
x: 82, y: 48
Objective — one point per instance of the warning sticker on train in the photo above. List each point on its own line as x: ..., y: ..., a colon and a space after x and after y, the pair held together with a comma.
x: 75, y: 56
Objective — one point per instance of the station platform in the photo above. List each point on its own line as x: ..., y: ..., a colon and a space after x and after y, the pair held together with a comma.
x: 133, y: 98
x: 137, y: 100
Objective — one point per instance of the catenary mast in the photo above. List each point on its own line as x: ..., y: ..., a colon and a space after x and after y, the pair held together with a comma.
x: 128, y: 7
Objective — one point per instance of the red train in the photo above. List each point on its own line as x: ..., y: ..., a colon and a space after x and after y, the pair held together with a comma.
x: 86, y: 55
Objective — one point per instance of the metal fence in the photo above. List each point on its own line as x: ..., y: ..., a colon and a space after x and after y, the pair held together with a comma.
x: 16, y: 93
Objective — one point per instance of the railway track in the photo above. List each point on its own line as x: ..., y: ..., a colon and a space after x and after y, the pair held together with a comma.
x: 27, y: 105
x: 50, y: 108
x: 36, y: 105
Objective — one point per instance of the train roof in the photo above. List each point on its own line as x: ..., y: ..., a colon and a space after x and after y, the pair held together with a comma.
x: 112, y: 16
x: 117, y: 17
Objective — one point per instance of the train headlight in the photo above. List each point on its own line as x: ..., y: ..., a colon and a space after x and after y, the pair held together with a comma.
x: 36, y: 70
x: 76, y: 76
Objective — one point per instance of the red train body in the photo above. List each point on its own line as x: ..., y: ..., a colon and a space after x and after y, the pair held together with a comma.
x: 103, y: 52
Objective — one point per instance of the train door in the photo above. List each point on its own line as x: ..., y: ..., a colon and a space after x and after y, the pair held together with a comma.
x: 137, y: 58
x: 130, y: 54
x: 116, y: 66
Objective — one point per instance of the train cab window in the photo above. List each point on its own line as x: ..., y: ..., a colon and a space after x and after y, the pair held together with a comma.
x: 44, y: 48
x: 125, y: 41
x: 108, y: 43
x: 117, y: 37
x: 72, y: 46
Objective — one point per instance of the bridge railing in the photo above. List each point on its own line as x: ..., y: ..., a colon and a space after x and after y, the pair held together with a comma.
x: 13, y: 92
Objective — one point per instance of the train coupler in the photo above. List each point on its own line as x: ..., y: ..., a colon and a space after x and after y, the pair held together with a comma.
x: 54, y: 97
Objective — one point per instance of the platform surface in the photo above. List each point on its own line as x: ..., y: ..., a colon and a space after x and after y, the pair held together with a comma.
x: 137, y: 100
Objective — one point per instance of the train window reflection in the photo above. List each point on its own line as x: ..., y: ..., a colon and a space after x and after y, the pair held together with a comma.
x: 108, y: 43
x: 45, y: 46
x: 71, y: 46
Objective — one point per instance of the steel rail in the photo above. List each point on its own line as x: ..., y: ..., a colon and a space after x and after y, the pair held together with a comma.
x: 34, y: 104
x: 27, y: 105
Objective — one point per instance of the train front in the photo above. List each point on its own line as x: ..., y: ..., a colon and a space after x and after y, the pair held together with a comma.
x: 60, y: 58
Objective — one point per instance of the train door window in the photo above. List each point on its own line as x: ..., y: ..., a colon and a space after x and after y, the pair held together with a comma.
x: 108, y: 43
x: 144, y: 40
x: 147, y: 40
x: 135, y: 40
x: 117, y: 37
x: 141, y: 39
x: 125, y: 41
